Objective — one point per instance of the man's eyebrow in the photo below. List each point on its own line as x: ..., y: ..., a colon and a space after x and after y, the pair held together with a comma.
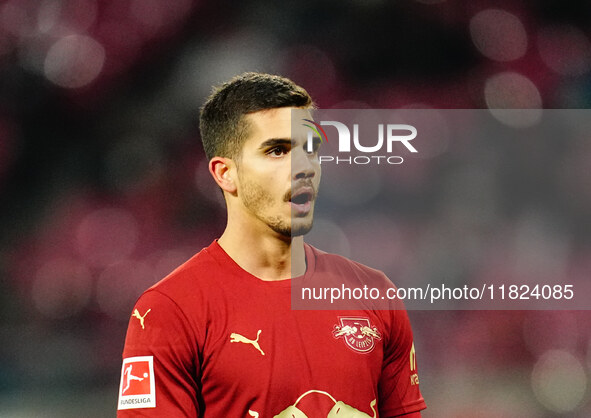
x: 273, y: 142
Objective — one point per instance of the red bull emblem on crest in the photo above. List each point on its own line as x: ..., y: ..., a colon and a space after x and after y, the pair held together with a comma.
x: 358, y: 333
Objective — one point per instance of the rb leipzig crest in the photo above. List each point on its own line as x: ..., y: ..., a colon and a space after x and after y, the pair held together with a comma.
x: 358, y: 334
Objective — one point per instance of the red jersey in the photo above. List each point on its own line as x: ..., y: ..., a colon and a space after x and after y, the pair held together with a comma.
x: 212, y: 340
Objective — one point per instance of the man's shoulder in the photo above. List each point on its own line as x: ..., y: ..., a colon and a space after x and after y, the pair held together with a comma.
x: 183, y: 298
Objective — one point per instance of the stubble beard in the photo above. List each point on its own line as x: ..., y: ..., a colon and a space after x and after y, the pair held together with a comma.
x: 302, y: 229
x: 256, y: 199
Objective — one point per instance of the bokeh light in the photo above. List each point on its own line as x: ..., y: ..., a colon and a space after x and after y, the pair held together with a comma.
x: 498, y: 35
x: 559, y: 381
x: 74, y: 61
x: 565, y: 49
x: 509, y: 91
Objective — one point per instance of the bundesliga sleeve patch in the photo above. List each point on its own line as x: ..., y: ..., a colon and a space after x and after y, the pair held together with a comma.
x: 137, y: 388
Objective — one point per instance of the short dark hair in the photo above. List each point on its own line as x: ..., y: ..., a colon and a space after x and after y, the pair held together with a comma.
x: 222, y: 125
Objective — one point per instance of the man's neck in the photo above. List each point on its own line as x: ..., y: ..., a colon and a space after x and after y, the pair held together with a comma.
x: 268, y: 256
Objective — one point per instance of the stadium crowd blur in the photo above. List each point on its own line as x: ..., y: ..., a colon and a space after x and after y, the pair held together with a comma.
x: 104, y: 186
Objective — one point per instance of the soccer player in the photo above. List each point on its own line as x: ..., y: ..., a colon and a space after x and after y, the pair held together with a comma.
x: 218, y: 337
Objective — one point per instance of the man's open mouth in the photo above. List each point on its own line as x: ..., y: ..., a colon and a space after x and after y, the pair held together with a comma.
x: 302, y: 197
x: 301, y: 201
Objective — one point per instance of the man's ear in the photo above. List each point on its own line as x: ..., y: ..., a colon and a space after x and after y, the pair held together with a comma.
x: 223, y: 171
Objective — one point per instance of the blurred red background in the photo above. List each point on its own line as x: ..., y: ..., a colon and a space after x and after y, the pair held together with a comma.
x: 104, y: 187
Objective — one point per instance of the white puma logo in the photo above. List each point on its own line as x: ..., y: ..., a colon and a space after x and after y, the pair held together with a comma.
x: 137, y: 315
x: 237, y: 338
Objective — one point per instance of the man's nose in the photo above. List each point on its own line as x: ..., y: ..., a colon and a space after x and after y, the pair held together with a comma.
x: 302, y: 165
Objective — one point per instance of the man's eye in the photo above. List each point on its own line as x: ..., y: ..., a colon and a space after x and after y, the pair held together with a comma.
x: 277, y: 151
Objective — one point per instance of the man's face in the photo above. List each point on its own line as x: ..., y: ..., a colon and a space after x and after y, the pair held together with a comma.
x: 278, y: 177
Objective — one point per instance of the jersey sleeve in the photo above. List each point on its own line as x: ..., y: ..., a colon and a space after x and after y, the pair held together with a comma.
x: 160, y: 371
x: 398, y: 386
